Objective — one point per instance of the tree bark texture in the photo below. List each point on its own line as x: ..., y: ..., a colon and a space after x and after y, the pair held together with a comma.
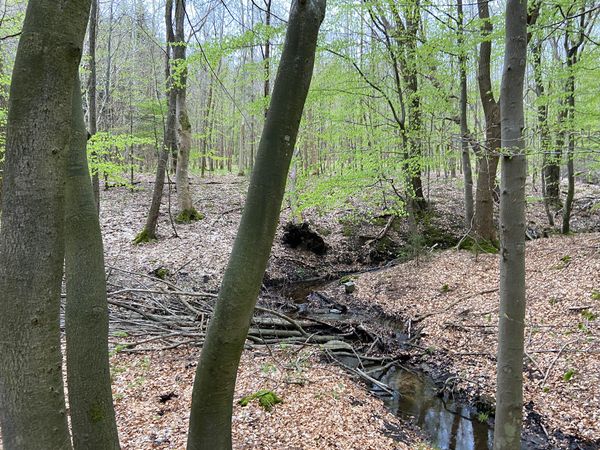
x: 464, y: 130
x: 184, y: 127
x: 509, y: 390
x: 93, y: 422
x: 488, y: 157
x: 210, y: 421
x: 169, y: 139
x: 91, y: 92
x: 550, y: 157
x: 33, y: 412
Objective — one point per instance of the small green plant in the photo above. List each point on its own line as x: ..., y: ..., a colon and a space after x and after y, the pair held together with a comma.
x: 268, y: 368
x: 569, y: 375
x: 482, y: 416
x: 564, y: 262
x: 120, y: 333
x: 595, y: 294
x: 266, y: 399
x: 118, y: 349
x: 138, y: 381
x: 588, y: 315
x: 445, y: 288
x: 553, y: 301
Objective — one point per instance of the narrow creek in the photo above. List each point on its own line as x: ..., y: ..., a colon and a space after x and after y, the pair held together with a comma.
x: 415, y: 396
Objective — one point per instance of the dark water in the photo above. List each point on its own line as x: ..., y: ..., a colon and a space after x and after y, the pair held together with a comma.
x: 449, y: 426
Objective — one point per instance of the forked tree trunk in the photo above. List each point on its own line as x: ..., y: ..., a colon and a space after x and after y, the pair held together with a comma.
x: 169, y: 139
x: 210, y: 421
x: 33, y: 412
x: 93, y: 422
x: 509, y: 390
x: 487, y: 159
x: 185, y: 205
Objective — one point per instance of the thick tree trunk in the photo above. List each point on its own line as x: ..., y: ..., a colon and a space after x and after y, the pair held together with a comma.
x: 210, y: 421
x: 169, y: 139
x: 464, y: 130
x: 86, y: 315
x: 91, y: 92
x: 509, y: 390
x: 185, y: 205
x: 33, y: 412
x: 488, y: 158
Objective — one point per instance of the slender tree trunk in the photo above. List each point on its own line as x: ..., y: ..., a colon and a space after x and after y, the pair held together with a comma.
x: 210, y: 420
x: 267, y: 57
x: 33, y: 411
x: 91, y: 92
x: 509, y: 390
x: 169, y: 139
x: 488, y: 157
x: 185, y: 205
x: 570, y: 116
x: 550, y: 159
x: 464, y: 131
x: 86, y: 315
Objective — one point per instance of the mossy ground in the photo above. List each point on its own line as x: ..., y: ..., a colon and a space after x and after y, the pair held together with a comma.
x: 476, y: 245
x: 188, y: 216
x: 144, y: 237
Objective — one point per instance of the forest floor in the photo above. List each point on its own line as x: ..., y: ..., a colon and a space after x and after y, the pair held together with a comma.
x: 445, y: 299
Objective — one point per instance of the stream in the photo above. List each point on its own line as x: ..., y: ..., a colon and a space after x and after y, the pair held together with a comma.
x: 448, y: 424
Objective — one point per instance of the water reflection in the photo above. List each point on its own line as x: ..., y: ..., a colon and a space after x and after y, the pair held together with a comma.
x: 449, y: 426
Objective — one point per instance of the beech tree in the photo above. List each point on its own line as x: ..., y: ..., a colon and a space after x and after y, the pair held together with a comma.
x: 187, y: 212
x: 212, y: 398
x: 169, y: 137
x: 509, y: 391
x: 33, y: 413
x: 93, y: 422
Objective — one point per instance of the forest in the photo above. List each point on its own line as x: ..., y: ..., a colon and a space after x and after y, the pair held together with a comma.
x: 299, y: 224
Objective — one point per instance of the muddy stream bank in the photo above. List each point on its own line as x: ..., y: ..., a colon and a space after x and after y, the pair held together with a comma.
x: 380, y: 350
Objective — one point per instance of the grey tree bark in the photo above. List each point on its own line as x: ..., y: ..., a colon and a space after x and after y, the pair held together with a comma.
x: 93, y: 421
x: 487, y: 159
x: 464, y: 130
x: 509, y: 390
x: 187, y: 212
x: 210, y: 421
x: 169, y: 140
x: 91, y: 91
x: 33, y: 412
x: 550, y: 157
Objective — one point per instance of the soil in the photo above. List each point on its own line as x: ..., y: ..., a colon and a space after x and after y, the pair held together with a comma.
x: 436, y: 309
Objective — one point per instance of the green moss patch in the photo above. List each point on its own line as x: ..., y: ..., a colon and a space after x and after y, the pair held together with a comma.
x: 266, y: 399
x: 189, y: 216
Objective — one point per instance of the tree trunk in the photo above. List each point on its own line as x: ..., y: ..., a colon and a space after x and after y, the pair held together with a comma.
x: 33, y: 412
x: 550, y: 157
x: 210, y: 421
x: 185, y: 205
x: 267, y: 57
x: 464, y: 131
x: 91, y: 92
x: 488, y: 157
x: 509, y: 390
x: 566, y: 219
x: 169, y: 139
x: 86, y: 315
